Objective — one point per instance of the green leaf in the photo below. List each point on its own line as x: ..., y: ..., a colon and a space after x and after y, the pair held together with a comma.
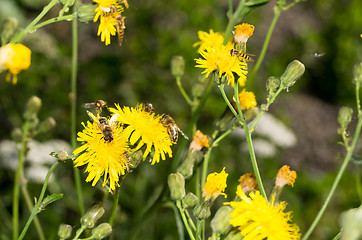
x: 48, y: 200
x: 256, y: 3
x: 357, y: 160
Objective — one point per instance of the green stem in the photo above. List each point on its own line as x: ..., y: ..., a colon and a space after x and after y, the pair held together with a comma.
x: 358, y: 100
x: 19, y: 177
x: 30, y: 206
x: 29, y: 28
x: 39, y: 201
x: 79, y: 232
x: 240, y: 11
x: 337, y: 179
x: 221, y: 87
x: 114, y: 207
x: 54, y: 20
x: 277, y: 12
x: 338, y: 236
x: 73, y: 108
x: 184, y: 219
x: 182, y: 90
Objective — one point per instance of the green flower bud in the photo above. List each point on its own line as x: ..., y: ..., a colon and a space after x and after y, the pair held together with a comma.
x: 176, y: 183
x: 102, y: 231
x: 64, y: 231
x: 191, y: 200
x: 220, y: 222
x: 198, y: 90
x: 272, y: 85
x: 90, y: 218
x: 187, y: 166
x: 177, y: 66
x: 294, y: 71
x: 351, y: 222
x: 68, y: 3
x: 202, y: 210
x: 226, y: 121
x: 345, y: 116
x: 17, y: 134
x: 234, y: 235
x: 47, y: 125
x: 357, y: 74
x: 250, y: 114
x: 86, y: 12
x: 32, y: 108
x: 9, y: 27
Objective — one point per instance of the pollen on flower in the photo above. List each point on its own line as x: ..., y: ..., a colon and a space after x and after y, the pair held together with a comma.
x: 257, y: 219
x: 199, y: 141
x: 243, y: 32
x: 285, y: 176
x: 215, y: 185
x: 14, y: 58
x: 248, y: 182
x: 246, y: 100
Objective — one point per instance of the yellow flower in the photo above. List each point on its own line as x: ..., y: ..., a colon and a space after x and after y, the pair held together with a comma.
x: 103, y: 159
x: 14, y: 58
x: 243, y: 32
x: 219, y: 59
x: 108, y: 11
x: 215, y: 185
x: 210, y: 40
x: 199, y: 141
x: 257, y: 219
x: 247, y: 100
x: 285, y: 176
x: 145, y: 128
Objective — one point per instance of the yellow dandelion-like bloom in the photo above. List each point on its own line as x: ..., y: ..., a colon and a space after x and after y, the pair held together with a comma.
x: 248, y: 182
x: 199, y: 141
x: 219, y: 59
x: 145, y: 128
x: 257, y: 219
x: 14, y: 58
x: 247, y: 100
x: 215, y: 185
x: 108, y: 11
x: 210, y: 40
x: 243, y: 32
x: 285, y: 176
x: 103, y: 159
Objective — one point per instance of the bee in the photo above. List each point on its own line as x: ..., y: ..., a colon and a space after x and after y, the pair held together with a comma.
x: 104, y: 125
x: 241, y: 55
x: 99, y: 104
x: 120, y: 26
x: 172, y: 128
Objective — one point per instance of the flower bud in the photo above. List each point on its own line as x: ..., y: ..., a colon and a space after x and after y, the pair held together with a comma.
x: 177, y: 66
x: 294, y: 71
x: 202, y: 210
x: 198, y: 90
x: 351, y: 222
x: 187, y: 166
x: 226, y: 121
x: 345, y: 116
x: 102, y: 231
x: 90, y: 218
x: 32, y: 108
x: 272, y: 85
x: 46, y: 125
x: 176, y: 183
x: 221, y: 221
x: 251, y: 114
x: 86, y: 12
x: 9, y: 27
x: 191, y: 200
x: 68, y: 3
x: 64, y: 231
x: 63, y: 155
x: 234, y: 235
x: 357, y: 73
x: 17, y: 134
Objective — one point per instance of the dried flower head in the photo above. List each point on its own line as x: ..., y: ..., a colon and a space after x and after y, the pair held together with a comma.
x: 199, y: 141
x: 215, y: 185
x: 248, y: 182
x: 14, y: 58
x: 285, y: 176
x: 243, y: 32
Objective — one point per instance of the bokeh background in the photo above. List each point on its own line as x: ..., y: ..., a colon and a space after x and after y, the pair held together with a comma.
x: 139, y: 71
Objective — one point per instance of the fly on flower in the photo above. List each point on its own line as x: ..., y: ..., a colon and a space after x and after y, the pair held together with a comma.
x: 99, y: 104
x: 172, y: 128
x: 120, y: 26
x: 241, y: 55
x: 104, y: 125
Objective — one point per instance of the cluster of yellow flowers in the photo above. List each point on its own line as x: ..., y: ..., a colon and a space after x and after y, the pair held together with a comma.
x: 132, y: 128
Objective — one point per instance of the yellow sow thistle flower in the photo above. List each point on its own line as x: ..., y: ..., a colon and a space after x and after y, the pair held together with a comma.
x: 285, y: 176
x: 210, y: 40
x: 247, y: 100
x: 243, y: 32
x: 144, y: 128
x: 103, y: 159
x: 14, y: 58
x: 256, y: 219
x: 215, y: 185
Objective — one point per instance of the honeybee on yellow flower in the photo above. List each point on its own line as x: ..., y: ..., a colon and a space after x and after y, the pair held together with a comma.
x: 104, y: 125
x: 172, y: 128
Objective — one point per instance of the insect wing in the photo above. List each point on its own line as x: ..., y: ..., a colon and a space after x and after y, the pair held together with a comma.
x: 95, y: 119
x: 114, y: 120
x: 89, y: 105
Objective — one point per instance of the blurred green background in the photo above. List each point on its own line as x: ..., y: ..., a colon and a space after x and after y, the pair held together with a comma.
x: 139, y: 71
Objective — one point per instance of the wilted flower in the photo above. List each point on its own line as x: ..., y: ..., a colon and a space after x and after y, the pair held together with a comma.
x: 243, y: 32
x: 215, y: 185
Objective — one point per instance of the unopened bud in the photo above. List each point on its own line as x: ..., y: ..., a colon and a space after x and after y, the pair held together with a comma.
x: 90, y: 218
x: 191, y: 200
x: 351, y: 222
x: 226, y: 121
x: 63, y: 155
x: 234, y: 235
x: 202, y: 210
x: 64, y: 231
x: 177, y: 66
x: 86, y: 12
x: 198, y: 90
x: 47, y: 125
x: 176, y: 183
x: 221, y: 221
x: 345, y: 116
x: 294, y: 71
x: 250, y: 114
x: 187, y: 166
x: 9, y: 27
x: 32, y: 108
x: 272, y: 85
x: 16, y: 134
x: 357, y: 73
x: 102, y: 231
